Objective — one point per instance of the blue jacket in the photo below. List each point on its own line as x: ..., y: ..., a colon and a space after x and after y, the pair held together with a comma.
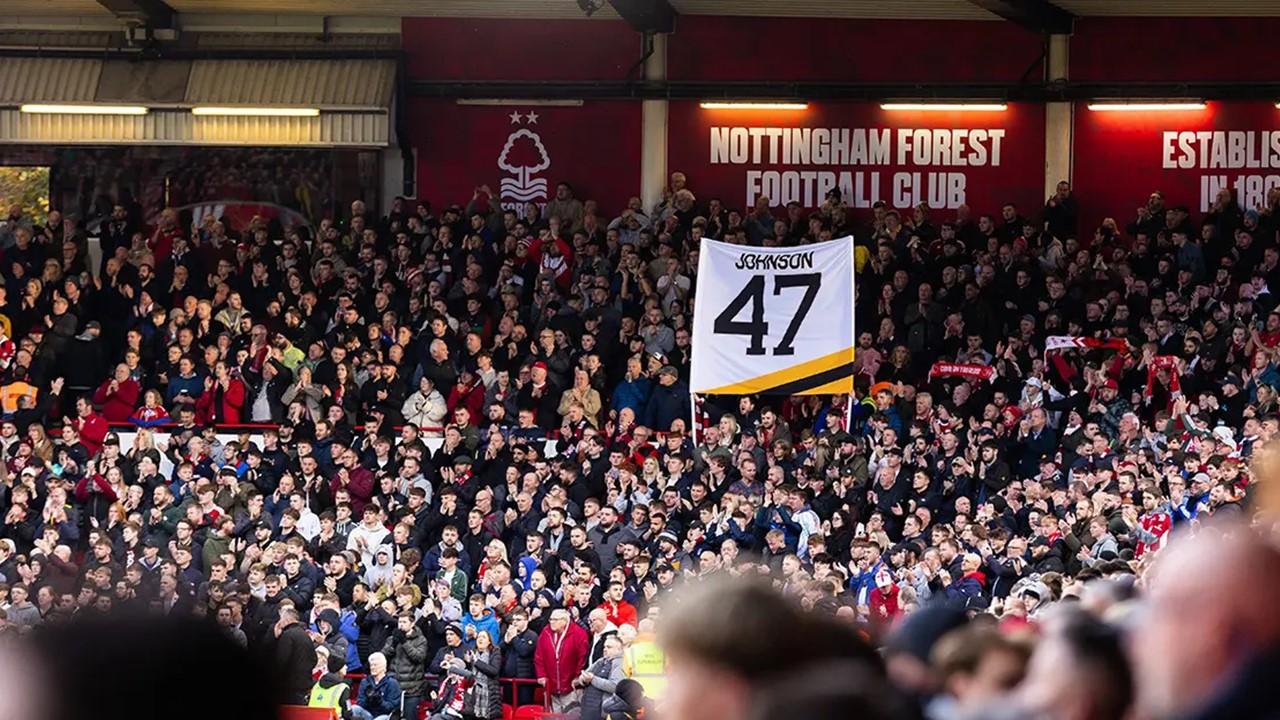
x: 864, y: 583
x: 488, y: 622
x: 379, y: 698
x: 966, y: 588
x: 632, y: 394
x: 895, y: 420
x: 350, y: 629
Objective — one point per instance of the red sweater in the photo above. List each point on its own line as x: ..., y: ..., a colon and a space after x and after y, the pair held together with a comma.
x: 624, y: 613
x: 118, y: 406
x: 93, y: 430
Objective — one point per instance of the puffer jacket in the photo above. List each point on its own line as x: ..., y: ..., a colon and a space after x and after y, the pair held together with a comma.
x: 425, y: 411
x: 407, y: 659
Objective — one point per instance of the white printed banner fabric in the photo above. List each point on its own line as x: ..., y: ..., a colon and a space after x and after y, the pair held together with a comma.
x: 777, y: 321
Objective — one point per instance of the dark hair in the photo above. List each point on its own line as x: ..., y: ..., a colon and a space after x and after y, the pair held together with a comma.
x: 708, y: 626
x: 1097, y: 650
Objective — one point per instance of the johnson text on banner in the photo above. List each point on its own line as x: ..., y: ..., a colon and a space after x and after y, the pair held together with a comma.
x: 774, y: 320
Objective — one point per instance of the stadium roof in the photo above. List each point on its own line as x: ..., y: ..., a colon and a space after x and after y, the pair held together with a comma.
x: 924, y: 9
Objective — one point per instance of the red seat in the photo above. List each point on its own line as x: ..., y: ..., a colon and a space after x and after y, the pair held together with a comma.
x: 508, y: 711
x: 528, y: 712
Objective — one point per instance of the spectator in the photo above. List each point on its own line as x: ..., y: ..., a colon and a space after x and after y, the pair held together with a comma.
x: 518, y: 644
x: 379, y: 697
x: 406, y: 652
x: 1220, y: 679
x: 600, y: 679
x: 118, y: 395
x: 560, y: 656
x: 331, y: 690
x: 295, y: 655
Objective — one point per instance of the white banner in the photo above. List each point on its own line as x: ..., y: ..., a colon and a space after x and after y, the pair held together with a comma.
x: 774, y: 320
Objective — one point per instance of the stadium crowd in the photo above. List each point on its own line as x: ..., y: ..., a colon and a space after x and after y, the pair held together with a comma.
x: 476, y: 458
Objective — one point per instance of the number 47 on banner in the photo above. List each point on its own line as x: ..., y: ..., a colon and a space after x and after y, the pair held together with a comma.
x: 757, y: 327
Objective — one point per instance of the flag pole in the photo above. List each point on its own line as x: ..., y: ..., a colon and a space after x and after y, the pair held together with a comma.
x: 693, y: 417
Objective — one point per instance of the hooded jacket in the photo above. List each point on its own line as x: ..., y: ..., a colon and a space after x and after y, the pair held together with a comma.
x: 338, y: 644
x: 379, y: 572
x: 487, y: 622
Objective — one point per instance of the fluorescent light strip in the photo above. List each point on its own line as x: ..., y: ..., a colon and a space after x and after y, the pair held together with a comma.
x: 48, y: 109
x: 754, y: 105
x: 1145, y: 106
x: 946, y: 107
x: 257, y: 111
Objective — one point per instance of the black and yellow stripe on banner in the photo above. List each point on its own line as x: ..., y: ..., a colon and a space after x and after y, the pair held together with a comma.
x: 826, y: 375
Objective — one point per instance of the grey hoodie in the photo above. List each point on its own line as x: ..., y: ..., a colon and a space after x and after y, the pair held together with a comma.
x: 24, y: 615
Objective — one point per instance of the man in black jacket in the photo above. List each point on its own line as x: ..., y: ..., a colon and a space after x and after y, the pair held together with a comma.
x: 295, y: 656
x: 518, y: 643
x: 265, y: 384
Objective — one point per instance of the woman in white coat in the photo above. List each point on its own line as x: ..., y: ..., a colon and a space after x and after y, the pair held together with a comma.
x: 426, y: 408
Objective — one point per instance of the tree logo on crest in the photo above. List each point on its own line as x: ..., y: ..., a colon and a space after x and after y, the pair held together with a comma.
x: 523, y: 156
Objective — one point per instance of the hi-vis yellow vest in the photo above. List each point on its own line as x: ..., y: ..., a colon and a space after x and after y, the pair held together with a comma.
x: 327, y: 697
x: 645, y: 663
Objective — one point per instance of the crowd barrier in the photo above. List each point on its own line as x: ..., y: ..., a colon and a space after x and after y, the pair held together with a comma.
x: 533, y: 711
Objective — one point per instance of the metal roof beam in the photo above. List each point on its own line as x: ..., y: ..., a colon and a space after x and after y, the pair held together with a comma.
x: 151, y: 13
x: 1039, y: 16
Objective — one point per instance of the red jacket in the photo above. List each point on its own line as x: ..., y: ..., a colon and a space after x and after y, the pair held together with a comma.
x: 560, y: 662
x: 229, y: 404
x: 118, y: 406
x: 93, y: 430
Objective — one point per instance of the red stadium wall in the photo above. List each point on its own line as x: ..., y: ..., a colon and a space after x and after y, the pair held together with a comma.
x: 522, y: 151
x: 711, y: 48
x: 464, y: 49
x: 1174, y: 49
x: 1120, y: 157
x: 981, y: 159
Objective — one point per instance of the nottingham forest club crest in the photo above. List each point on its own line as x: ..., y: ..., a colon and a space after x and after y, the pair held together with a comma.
x: 523, y: 156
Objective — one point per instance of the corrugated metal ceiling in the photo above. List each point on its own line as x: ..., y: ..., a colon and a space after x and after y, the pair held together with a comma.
x: 352, y: 83
x: 48, y: 80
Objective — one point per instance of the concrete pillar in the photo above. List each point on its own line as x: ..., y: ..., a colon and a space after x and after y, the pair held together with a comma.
x: 1058, y: 118
x: 653, y: 130
x: 392, y: 177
